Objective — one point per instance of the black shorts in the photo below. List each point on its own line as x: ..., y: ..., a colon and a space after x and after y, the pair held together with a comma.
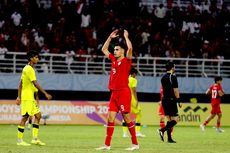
x: 170, y: 107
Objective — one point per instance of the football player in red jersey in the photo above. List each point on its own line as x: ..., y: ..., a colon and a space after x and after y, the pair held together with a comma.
x: 216, y: 92
x: 120, y: 99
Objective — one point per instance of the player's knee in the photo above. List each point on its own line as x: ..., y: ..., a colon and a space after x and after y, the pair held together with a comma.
x: 23, y: 120
x: 38, y: 116
x: 111, y: 118
x: 162, y: 118
x: 127, y: 118
x: 220, y: 115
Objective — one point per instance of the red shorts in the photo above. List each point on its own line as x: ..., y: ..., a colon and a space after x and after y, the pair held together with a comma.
x: 120, y: 100
x: 161, y: 110
x: 216, y: 109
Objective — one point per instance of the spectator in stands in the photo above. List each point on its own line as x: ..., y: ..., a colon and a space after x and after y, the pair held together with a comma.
x: 206, y: 6
x: 85, y: 19
x: 2, y: 22
x: 3, y: 51
x: 45, y: 49
x: 25, y: 40
x: 160, y: 11
x: 16, y: 17
x: 206, y: 49
x: 38, y: 38
x: 81, y: 51
x: 44, y: 68
x: 69, y: 59
x: 62, y: 18
x: 45, y: 4
x: 145, y: 42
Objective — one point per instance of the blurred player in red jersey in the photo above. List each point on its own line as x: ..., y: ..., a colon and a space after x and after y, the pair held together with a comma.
x: 216, y: 93
x: 120, y: 99
x: 161, y: 110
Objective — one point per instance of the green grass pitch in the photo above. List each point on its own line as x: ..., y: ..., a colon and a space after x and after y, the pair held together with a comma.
x: 84, y: 139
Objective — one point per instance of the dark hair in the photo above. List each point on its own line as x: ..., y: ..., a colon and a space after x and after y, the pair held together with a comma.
x: 133, y: 71
x: 32, y: 54
x: 218, y: 78
x: 122, y: 45
x: 169, y: 65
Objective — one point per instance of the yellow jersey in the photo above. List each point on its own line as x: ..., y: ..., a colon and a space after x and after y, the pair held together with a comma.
x: 28, y: 88
x: 132, y: 84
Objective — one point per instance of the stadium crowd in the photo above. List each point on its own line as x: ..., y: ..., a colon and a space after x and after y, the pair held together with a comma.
x: 200, y: 30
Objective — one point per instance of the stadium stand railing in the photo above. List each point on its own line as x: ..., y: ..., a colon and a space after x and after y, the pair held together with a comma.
x: 180, y: 3
x: 93, y: 64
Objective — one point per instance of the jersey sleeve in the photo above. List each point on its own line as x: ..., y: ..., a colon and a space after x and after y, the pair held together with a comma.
x: 129, y: 61
x: 111, y: 57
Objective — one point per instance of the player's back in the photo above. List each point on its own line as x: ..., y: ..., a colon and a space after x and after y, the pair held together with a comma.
x: 215, y: 98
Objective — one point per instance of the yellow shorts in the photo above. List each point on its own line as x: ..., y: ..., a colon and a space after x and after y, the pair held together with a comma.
x: 29, y: 107
x: 134, y: 109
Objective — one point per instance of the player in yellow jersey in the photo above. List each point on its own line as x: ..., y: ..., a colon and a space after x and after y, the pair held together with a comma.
x: 27, y: 91
x: 135, y: 107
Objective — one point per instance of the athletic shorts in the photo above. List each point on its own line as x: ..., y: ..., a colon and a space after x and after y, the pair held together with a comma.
x: 216, y: 109
x: 120, y: 100
x: 170, y: 107
x: 161, y: 110
x: 29, y: 107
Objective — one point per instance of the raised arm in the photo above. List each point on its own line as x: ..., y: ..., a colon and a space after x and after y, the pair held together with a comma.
x: 107, y: 42
x: 129, y: 53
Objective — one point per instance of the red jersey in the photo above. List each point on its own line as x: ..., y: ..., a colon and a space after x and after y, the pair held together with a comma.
x: 119, y: 73
x: 215, y: 98
x: 161, y: 93
x: 161, y: 110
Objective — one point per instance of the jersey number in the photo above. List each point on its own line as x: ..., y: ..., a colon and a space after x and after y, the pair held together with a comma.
x: 214, y: 94
x: 114, y: 70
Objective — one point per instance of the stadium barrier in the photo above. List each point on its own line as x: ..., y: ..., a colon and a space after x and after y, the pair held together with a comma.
x: 94, y: 83
x: 95, y: 113
x: 94, y: 64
